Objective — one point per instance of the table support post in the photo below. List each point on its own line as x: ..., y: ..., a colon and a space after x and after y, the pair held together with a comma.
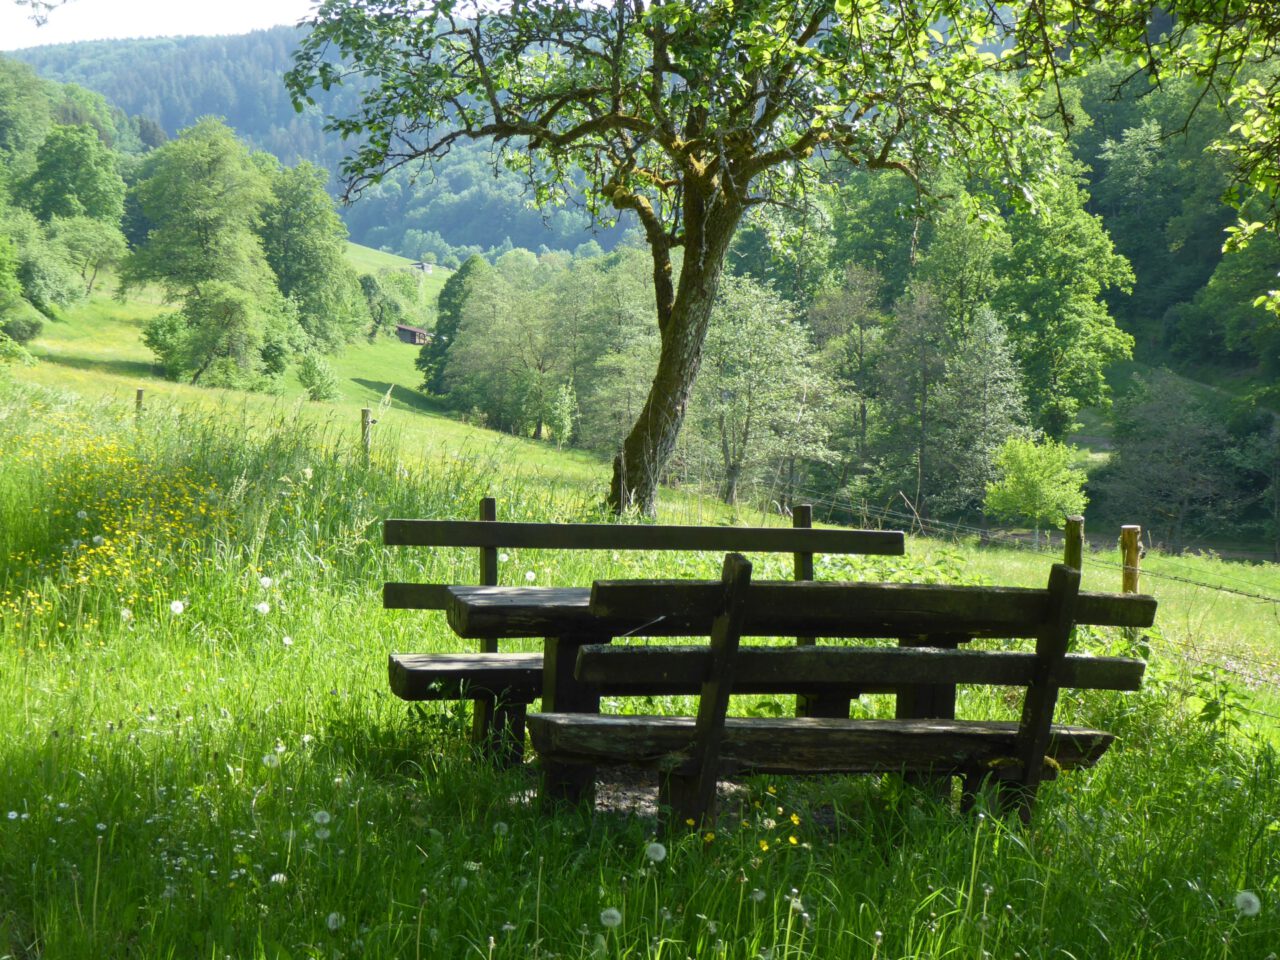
x: 563, y: 693
x: 929, y: 701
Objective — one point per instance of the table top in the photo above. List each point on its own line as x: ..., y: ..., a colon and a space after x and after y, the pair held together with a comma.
x: 774, y: 608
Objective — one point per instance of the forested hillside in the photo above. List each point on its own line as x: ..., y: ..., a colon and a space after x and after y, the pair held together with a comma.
x: 465, y: 207
x: 249, y: 253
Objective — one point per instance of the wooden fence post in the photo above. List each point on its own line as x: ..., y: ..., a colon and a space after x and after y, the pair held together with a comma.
x: 1131, y: 559
x: 1130, y: 554
x: 366, y: 433
x: 1073, y: 547
x: 137, y: 404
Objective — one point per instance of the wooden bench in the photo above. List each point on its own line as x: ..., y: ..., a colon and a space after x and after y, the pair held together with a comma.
x: 503, y: 684
x: 924, y: 741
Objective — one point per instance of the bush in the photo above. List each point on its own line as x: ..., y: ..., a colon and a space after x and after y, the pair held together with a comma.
x: 22, y: 329
x: 315, y: 374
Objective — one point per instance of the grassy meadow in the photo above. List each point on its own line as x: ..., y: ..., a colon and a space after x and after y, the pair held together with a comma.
x: 203, y: 760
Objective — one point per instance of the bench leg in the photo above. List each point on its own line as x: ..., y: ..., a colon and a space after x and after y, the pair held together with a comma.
x: 497, y: 730
x: 678, y: 803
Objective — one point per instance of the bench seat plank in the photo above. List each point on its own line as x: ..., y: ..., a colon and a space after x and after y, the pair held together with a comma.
x: 617, y: 536
x: 678, y: 669
x: 807, y: 745
x: 458, y: 676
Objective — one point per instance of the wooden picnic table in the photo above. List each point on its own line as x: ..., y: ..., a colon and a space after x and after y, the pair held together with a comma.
x: 930, y: 622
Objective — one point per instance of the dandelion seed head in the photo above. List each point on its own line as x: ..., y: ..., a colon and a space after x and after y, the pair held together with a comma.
x: 98, y: 541
x: 266, y: 582
x: 610, y: 917
x: 263, y: 608
x: 656, y: 852
x: 503, y: 557
x: 176, y: 607
x: 501, y: 828
x: 321, y: 817
x: 322, y: 833
x: 757, y: 895
x: 530, y: 576
x: 82, y: 515
x: 1248, y: 903
x: 287, y: 641
x: 335, y: 921
x: 271, y: 760
x: 13, y: 814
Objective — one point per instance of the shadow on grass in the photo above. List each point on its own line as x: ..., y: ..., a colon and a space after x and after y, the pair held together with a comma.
x: 402, y: 398
x: 123, y: 368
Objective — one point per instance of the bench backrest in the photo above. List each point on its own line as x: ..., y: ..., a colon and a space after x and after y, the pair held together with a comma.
x: 1049, y: 615
x: 827, y: 609
x: 488, y: 535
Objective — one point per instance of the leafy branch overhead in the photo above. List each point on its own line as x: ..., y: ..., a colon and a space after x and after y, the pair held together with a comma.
x: 689, y: 113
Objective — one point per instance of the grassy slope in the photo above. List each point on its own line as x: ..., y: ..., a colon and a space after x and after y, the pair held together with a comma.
x: 97, y: 351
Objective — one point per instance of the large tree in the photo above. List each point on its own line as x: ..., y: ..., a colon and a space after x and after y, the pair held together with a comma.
x: 688, y: 113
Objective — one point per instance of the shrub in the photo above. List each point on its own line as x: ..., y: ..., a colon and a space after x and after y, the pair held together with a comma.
x: 22, y: 329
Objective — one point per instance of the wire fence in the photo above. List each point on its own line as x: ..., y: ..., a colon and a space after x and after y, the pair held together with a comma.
x: 1255, y: 672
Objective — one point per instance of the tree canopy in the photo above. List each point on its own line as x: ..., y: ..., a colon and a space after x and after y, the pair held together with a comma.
x: 689, y: 113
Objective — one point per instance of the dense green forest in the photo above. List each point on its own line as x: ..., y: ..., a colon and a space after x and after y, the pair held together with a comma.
x: 250, y: 252
x: 881, y: 346
x: 465, y: 206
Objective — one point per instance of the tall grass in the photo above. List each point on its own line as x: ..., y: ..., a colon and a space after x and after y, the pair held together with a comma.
x: 234, y: 780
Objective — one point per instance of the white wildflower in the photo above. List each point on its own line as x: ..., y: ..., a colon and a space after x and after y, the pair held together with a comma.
x: 126, y: 614
x: 287, y: 641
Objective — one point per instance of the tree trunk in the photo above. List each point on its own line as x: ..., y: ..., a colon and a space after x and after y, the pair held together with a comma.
x: 709, y: 226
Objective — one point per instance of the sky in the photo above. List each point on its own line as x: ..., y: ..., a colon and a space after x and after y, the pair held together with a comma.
x: 103, y: 19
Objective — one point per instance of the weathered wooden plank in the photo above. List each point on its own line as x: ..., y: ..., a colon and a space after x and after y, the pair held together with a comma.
x: 456, y: 676
x: 868, y: 609
x: 1042, y: 694
x: 694, y: 797
x: 610, y: 536
x: 662, y: 670
x: 684, y: 608
x: 415, y: 596
x: 797, y: 745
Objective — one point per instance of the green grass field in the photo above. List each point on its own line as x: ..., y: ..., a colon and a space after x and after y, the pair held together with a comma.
x: 203, y: 759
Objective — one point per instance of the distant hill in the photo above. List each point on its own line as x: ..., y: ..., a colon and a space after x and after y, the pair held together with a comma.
x: 466, y: 207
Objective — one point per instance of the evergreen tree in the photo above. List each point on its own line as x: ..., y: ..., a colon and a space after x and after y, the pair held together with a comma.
x: 433, y: 356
